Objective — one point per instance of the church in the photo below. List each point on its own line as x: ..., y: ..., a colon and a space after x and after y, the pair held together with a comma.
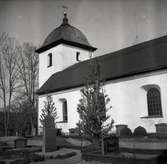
x: 135, y: 78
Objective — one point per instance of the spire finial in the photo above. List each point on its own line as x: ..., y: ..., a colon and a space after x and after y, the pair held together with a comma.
x: 65, y: 19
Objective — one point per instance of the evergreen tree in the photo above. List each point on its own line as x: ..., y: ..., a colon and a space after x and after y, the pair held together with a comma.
x: 49, y: 112
x: 92, y: 107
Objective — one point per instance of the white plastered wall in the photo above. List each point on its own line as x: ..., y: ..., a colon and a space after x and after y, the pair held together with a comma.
x: 72, y: 97
x: 128, y: 101
x: 63, y: 56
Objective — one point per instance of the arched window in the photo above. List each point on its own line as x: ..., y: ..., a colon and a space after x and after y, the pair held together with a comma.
x: 64, y: 110
x: 49, y: 59
x: 65, y: 115
x: 154, y: 102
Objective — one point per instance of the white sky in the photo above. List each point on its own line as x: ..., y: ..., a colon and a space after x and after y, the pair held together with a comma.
x: 108, y: 24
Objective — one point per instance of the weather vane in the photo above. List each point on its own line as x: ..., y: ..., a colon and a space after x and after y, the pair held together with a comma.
x: 65, y: 8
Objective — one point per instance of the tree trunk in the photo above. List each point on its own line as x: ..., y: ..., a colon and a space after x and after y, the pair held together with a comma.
x: 5, y: 114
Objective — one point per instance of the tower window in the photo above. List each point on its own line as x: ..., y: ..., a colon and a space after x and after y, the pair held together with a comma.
x: 77, y: 56
x: 49, y: 59
x: 154, y: 102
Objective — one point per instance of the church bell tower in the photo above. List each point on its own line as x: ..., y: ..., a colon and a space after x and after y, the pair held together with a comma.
x: 62, y: 48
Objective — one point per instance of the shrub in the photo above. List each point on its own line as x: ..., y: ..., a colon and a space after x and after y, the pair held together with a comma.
x: 140, y: 132
x: 125, y: 132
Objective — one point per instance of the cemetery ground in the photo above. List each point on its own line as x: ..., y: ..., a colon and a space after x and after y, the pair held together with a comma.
x: 33, y: 152
x: 142, y: 150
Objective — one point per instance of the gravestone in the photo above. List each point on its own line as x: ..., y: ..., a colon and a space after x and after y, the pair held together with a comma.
x: 119, y: 128
x: 111, y: 144
x: 140, y: 132
x: 161, y: 130
x: 50, y: 140
x: 20, y: 142
x: 49, y: 135
x: 125, y: 133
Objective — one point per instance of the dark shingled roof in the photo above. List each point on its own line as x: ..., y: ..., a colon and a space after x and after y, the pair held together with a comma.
x: 66, y: 34
x: 141, y: 58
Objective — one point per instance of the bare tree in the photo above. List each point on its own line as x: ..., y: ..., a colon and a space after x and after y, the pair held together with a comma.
x: 9, y: 49
x: 28, y: 75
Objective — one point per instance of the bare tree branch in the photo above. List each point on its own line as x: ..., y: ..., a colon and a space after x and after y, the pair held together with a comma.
x: 28, y: 71
x: 8, y: 73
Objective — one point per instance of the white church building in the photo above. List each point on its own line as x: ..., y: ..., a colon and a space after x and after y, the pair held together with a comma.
x: 135, y: 78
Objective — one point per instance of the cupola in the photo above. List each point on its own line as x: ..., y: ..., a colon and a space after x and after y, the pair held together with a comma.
x: 66, y: 34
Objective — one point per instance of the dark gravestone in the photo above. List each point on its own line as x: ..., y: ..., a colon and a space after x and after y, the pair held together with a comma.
x: 140, y: 132
x: 50, y: 135
x: 50, y: 144
x: 125, y: 132
x: 111, y: 144
x: 161, y: 130
x: 119, y: 128
x: 20, y: 143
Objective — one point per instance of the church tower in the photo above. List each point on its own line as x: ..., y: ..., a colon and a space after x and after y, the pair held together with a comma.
x: 63, y: 47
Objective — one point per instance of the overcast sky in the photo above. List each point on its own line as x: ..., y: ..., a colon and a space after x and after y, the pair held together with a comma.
x: 109, y: 25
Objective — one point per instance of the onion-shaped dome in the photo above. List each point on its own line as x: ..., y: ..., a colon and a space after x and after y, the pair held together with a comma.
x: 66, y: 34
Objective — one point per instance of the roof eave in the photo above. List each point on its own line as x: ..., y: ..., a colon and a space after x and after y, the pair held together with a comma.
x: 62, y: 41
x: 38, y: 92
